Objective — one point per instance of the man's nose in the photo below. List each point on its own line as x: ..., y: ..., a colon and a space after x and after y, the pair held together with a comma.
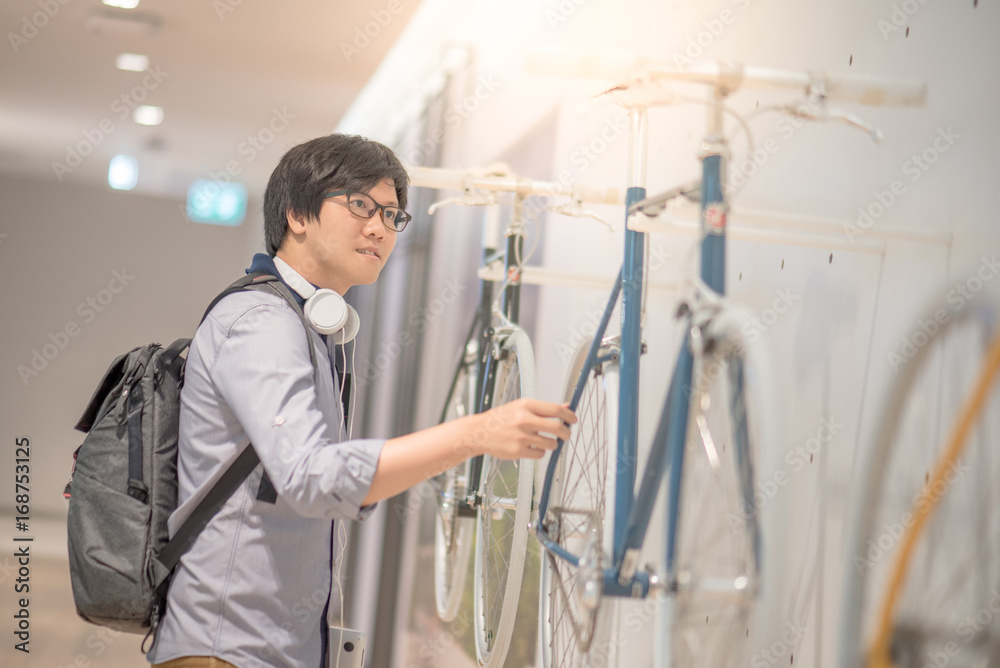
x: 374, y: 226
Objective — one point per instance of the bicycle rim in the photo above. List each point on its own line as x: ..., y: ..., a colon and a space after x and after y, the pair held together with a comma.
x: 575, y: 620
x: 502, y: 526
x: 947, y: 610
x: 453, y: 535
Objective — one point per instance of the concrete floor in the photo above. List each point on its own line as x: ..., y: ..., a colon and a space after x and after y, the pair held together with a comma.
x: 59, y: 638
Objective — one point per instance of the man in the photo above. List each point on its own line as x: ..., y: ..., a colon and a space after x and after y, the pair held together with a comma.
x: 252, y: 590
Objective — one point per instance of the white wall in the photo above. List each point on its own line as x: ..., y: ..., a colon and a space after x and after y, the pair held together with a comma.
x: 63, y: 245
x: 848, y: 308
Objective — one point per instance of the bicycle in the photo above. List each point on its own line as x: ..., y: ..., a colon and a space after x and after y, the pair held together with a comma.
x: 711, y: 578
x: 484, y: 497
x: 923, y: 496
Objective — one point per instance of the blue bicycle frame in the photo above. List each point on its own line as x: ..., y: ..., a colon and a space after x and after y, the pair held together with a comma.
x: 633, y: 510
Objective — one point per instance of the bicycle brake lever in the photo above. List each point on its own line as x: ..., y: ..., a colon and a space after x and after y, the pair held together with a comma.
x: 577, y: 211
x: 468, y: 200
x: 855, y: 122
x: 804, y: 112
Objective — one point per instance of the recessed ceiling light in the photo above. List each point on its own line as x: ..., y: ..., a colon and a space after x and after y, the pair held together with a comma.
x: 146, y: 114
x: 123, y: 172
x: 133, y: 62
x: 123, y: 4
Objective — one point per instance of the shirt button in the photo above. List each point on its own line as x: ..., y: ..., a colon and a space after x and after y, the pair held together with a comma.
x: 278, y: 421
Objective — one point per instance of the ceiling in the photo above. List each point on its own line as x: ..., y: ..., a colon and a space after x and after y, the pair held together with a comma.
x: 240, y: 81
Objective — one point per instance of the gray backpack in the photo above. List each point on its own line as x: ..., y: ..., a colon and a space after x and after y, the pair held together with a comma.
x: 124, y: 483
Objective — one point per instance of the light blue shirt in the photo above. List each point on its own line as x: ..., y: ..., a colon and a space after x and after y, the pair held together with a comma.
x: 253, y: 587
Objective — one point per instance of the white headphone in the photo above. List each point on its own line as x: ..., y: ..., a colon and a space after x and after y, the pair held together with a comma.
x: 325, y: 309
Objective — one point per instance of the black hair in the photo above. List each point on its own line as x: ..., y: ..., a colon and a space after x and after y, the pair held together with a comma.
x: 311, y: 169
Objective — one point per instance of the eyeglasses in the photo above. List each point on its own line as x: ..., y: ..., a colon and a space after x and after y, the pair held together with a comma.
x: 363, y: 205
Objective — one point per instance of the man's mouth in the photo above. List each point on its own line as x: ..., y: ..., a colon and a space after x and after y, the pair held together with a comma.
x: 368, y: 251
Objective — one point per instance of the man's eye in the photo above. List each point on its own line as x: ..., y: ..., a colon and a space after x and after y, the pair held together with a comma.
x: 390, y: 214
x: 359, y: 204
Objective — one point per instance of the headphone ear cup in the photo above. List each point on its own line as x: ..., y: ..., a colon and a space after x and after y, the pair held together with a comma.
x: 351, y: 327
x: 327, y: 311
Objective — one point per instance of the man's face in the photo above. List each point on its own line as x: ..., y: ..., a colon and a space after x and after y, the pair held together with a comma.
x: 345, y: 249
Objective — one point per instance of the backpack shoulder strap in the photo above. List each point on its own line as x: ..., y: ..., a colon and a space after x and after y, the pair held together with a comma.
x: 263, y: 281
x: 206, y: 509
x: 171, y: 358
x: 247, y: 461
x: 240, y: 284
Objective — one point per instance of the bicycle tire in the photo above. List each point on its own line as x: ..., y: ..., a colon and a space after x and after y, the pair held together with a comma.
x: 575, y: 630
x: 921, y: 630
x: 454, y: 534
x: 502, y: 531
x: 715, y: 611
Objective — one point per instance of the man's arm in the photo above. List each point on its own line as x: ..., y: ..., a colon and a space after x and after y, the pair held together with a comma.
x: 522, y: 429
x: 262, y: 370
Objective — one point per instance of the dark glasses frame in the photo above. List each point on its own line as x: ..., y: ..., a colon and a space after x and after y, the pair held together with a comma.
x: 400, y: 219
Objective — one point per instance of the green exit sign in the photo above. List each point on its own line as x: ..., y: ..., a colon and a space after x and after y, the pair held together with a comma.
x: 217, y: 203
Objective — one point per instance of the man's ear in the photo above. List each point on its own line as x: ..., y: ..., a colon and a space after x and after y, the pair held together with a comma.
x: 296, y: 222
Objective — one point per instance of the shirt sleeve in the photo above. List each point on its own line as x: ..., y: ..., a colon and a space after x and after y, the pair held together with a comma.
x: 263, y: 372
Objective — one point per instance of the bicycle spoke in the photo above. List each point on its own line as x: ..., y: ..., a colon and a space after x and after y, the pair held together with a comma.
x: 453, y: 534
x: 575, y: 633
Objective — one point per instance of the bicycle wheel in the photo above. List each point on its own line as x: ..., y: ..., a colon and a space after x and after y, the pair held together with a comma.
x: 502, y: 516
x: 453, y: 534
x: 717, y: 559
x: 574, y: 621
x: 946, y: 612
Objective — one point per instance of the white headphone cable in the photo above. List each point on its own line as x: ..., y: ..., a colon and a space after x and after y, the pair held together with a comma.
x: 341, y: 527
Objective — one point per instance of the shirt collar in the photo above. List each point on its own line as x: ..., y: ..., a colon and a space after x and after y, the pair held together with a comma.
x: 264, y: 262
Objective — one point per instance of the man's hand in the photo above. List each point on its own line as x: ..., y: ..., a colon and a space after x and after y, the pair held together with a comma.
x: 522, y: 429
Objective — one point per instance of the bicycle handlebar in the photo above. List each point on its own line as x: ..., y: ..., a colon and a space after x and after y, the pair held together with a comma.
x: 857, y: 88
x: 454, y: 179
